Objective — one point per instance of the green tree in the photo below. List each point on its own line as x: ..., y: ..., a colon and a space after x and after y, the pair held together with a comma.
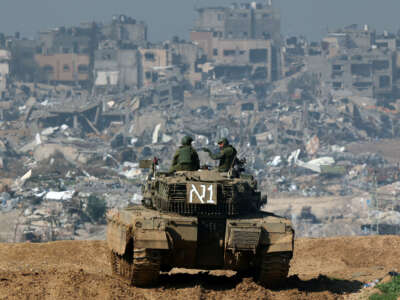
x: 96, y: 208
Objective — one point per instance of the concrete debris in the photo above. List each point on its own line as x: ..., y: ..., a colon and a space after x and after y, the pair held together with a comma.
x: 19, y: 183
x: 156, y: 132
x: 38, y: 139
x: 315, y: 164
x: 312, y: 146
x: 276, y: 161
x: 60, y: 196
x: 49, y: 131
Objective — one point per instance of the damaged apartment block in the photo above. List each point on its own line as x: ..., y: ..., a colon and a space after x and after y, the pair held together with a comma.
x: 241, y: 41
x: 369, y: 73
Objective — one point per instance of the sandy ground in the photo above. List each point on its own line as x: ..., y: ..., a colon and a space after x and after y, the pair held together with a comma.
x: 332, y: 268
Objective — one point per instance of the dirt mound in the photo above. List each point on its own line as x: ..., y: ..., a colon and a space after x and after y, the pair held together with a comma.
x: 333, y: 268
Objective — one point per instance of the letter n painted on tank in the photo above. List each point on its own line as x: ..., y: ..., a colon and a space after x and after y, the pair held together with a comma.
x: 194, y: 190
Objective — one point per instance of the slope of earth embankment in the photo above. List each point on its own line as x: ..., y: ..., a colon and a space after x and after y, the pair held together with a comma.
x: 326, y: 268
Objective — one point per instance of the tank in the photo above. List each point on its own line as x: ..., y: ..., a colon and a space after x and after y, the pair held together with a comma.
x: 199, y: 220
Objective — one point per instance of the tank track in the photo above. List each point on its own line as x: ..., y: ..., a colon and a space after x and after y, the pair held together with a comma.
x: 140, y: 267
x: 274, y: 269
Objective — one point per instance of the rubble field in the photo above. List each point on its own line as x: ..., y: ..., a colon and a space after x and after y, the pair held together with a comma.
x: 388, y: 148
x: 327, y: 159
x: 325, y: 268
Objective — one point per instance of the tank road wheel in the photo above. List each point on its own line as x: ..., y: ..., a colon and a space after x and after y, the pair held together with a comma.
x: 146, y: 267
x: 140, y: 267
x: 125, y: 266
x: 115, y: 263
x: 274, y: 269
x: 121, y: 265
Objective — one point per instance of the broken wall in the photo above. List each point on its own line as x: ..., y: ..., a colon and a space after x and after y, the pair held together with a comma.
x: 368, y: 74
x: 68, y: 68
x: 150, y: 60
x: 117, y: 67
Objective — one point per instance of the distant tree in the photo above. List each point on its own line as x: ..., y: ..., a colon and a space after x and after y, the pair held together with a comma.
x: 96, y: 208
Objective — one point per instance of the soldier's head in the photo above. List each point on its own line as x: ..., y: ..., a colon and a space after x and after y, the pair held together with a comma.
x: 187, y: 140
x: 223, y: 142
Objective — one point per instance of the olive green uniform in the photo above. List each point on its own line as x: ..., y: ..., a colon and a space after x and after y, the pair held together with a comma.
x: 225, y: 156
x: 185, y: 159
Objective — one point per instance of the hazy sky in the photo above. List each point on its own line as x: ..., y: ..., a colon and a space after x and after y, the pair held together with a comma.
x: 174, y: 17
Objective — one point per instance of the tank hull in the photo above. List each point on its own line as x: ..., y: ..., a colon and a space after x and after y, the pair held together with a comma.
x: 209, y: 242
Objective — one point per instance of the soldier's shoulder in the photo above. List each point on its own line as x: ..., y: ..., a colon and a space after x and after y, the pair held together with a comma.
x: 229, y: 149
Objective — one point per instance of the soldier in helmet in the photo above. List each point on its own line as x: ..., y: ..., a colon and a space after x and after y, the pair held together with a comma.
x: 226, y: 155
x: 185, y: 158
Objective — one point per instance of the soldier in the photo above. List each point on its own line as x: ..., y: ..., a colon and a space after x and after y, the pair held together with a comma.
x: 226, y: 155
x: 185, y: 158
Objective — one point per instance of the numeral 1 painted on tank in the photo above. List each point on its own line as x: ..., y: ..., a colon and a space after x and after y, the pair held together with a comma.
x: 202, y: 193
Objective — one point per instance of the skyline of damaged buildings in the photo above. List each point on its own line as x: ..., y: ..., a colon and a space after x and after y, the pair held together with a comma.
x: 235, y: 58
x: 236, y: 42
x: 236, y: 54
x: 118, y: 54
x: 80, y: 106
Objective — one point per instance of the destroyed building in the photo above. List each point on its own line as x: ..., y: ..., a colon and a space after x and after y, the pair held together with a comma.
x: 68, y: 55
x: 364, y: 62
x: 187, y: 56
x: 125, y: 30
x: 65, y: 68
x: 23, y: 65
x: 255, y: 20
x: 294, y: 51
x: 115, y: 67
x: 241, y: 40
x: 5, y: 57
x: 370, y: 73
x: 387, y: 41
x: 67, y: 40
x: 359, y: 37
x: 158, y: 70
x: 154, y: 59
x: 256, y: 59
x: 349, y: 37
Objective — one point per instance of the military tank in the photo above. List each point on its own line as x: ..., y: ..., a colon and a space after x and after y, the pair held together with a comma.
x: 202, y: 220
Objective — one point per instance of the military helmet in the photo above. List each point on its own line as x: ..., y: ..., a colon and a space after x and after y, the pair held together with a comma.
x: 187, y: 140
x: 223, y: 141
